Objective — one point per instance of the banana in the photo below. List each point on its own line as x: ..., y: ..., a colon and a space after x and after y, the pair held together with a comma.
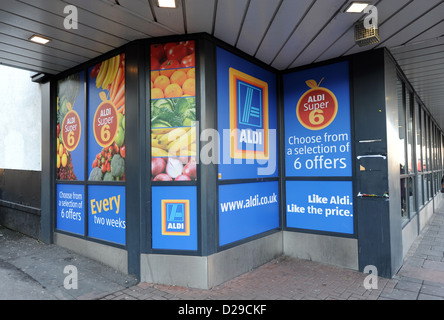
x: 110, y: 72
x: 183, y: 142
x: 156, y: 152
x: 155, y: 143
x: 161, y: 131
x: 116, y: 68
x: 113, y: 72
x: 173, y: 135
x: 102, y: 73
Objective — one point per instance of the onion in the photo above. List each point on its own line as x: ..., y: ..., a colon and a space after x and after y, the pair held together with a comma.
x: 174, y: 168
x: 182, y: 177
x: 157, y: 166
x: 163, y: 177
x: 190, y: 169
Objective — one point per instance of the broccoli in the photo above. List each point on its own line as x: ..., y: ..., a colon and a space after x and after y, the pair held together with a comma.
x: 96, y: 174
x: 117, y: 166
x: 108, y: 177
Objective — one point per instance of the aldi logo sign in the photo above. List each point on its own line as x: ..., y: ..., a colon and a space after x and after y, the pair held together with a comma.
x: 176, y: 217
x: 248, y: 116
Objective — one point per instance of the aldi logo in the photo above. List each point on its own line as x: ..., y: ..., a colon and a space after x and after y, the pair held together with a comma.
x: 175, y: 217
x: 248, y: 116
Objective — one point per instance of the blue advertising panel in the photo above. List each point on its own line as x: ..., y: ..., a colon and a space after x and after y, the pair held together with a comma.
x: 70, y: 128
x: 174, y: 218
x: 71, y: 208
x: 247, y: 118
x: 106, y: 213
x: 320, y: 205
x: 247, y: 209
x: 317, y: 122
x: 106, y: 120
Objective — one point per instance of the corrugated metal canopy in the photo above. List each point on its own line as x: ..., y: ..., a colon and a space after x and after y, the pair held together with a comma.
x: 282, y: 33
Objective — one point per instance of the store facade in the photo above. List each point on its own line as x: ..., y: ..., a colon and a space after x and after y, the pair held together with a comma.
x: 184, y: 161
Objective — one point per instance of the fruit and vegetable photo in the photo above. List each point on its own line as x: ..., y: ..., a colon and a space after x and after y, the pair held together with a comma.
x: 70, y: 114
x: 107, y: 120
x: 173, y: 112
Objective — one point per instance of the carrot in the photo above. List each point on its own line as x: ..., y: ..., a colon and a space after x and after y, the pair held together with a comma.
x: 120, y: 103
x: 113, y: 91
x: 120, y: 93
x: 120, y: 77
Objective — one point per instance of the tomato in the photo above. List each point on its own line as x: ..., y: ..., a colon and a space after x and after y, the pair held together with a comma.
x: 188, y: 61
x: 122, y: 151
x: 157, y: 52
x: 154, y: 63
x: 170, y: 64
x: 168, y: 46
x: 189, y: 45
x: 177, y: 52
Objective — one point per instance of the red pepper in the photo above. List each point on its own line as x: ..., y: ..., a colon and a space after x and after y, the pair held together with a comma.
x: 122, y: 151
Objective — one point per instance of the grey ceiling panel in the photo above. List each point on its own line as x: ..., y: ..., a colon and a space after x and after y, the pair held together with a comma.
x: 56, y: 22
x: 62, y: 45
x: 422, y: 58
x: 432, y: 33
x: 141, y: 7
x: 93, y: 21
x: 200, y: 14
x: 285, y: 22
x: 63, y: 63
x: 124, y: 16
x: 173, y: 18
x: 386, y: 9
x: 408, y: 54
x: 47, y: 50
x: 33, y: 63
x: 325, y: 39
x: 53, y: 33
x: 312, y: 23
x: 433, y: 16
x: 259, y: 17
x: 229, y: 18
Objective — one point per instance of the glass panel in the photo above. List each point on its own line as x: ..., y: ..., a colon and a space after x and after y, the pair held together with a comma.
x: 411, y: 190
x: 410, y: 141
x: 401, y: 127
x: 404, y: 205
x: 418, y: 137
x: 419, y: 193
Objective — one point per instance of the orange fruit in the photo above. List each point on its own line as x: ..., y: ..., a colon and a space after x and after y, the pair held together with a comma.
x: 191, y: 73
x: 154, y: 75
x: 189, y: 87
x: 161, y: 82
x: 173, y: 91
x: 167, y: 72
x: 156, y: 93
x: 178, y: 77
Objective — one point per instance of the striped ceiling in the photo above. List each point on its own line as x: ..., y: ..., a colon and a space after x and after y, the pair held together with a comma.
x: 281, y: 33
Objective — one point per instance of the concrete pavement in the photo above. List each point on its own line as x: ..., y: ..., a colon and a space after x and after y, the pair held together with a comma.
x: 30, y: 269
